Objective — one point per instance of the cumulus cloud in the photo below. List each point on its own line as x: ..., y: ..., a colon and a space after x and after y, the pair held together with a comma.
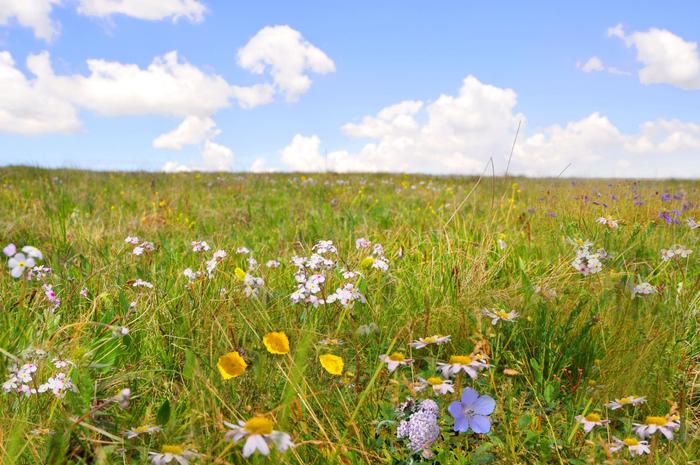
x: 666, y: 57
x: 461, y: 133
x: 253, y: 96
x: 33, y: 14
x: 287, y: 56
x: 592, y: 64
x: 193, y: 130
x: 215, y: 157
x: 28, y: 107
x: 151, y: 10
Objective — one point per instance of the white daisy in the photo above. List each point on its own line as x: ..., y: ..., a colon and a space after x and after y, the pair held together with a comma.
x: 430, y: 340
x: 500, y: 315
x: 470, y: 364
x: 590, y: 421
x: 259, y: 436
x: 18, y: 264
x: 629, y: 400
x: 635, y: 446
x: 651, y: 425
x: 171, y: 452
x: 393, y: 361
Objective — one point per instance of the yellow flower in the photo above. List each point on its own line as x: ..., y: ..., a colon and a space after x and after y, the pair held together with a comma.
x: 240, y: 274
x: 258, y: 425
x: 172, y: 449
x: 276, y: 343
x: 367, y: 263
x: 332, y: 364
x: 231, y: 365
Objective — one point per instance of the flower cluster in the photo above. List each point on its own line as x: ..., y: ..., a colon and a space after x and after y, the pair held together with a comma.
x: 420, y: 426
x: 18, y: 262
x: 676, y: 251
x: 586, y: 261
x: 607, y: 221
x: 140, y: 247
x: 24, y: 379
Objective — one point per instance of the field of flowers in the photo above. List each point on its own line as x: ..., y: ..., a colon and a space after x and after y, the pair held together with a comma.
x: 347, y: 319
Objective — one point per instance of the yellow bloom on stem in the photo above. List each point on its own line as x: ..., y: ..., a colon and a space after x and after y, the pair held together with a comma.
x: 367, y: 263
x: 259, y: 425
x: 231, y: 365
x: 276, y: 343
x: 332, y: 364
x: 240, y: 274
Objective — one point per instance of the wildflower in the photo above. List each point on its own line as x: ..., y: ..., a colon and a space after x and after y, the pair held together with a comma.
x: 472, y: 412
x: 139, y: 430
x: 58, y: 385
x: 346, y: 295
x: 471, y: 365
x: 276, y: 343
x: 675, y: 251
x: 394, y: 360
x: 332, y: 364
x: 587, y: 262
x: 231, y: 365
x: 259, y: 435
x: 365, y: 330
x: 440, y: 385
x: 330, y: 341
x: 501, y: 315
x: 430, y: 340
x: 243, y: 250
x: 133, y: 240
x: 590, y: 421
x: 38, y: 272
x: 643, y: 289
x: 18, y: 263
x: 200, y: 246
x: 362, y: 243
x: 32, y: 252
x: 120, y: 331
x: 322, y: 247
x: 272, y: 264
x: 123, y: 397
x: 629, y: 400
x: 607, y: 221
x: 692, y: 224
x: 9, y: 250
x: 634, y: 446
x: 170, y: 452
x: 141, y: 283
x: 421, y: 427
x: 651, y: 425
x: 52, y: 297
x: 84, y: 292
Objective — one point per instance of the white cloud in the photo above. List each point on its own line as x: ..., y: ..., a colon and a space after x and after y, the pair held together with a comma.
x: 216, y: 157
x: 27, y: 107
x: 287, y: 55
x: 260, y: 165
x: 192, y: 131
x: 303, y: 154
x: 252, y: 96
x: 459, y: 134
x: 151, y: 10
x: 34, y: 14
x: 175, y: 167
x: 666, y: 57
x: 592, y: 64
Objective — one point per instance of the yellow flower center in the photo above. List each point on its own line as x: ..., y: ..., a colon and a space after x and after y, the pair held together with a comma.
x: 397, y: 357
x: 276, y: 343
x: 593, y: 417
x: 258, y: 425
x: 429, y: 339
x: 658, y: 421
x: 172, y: 449
x: 22, y: 264
x: 435, y: 381
x: 460, y: 360
x: 141, y: 429
x: 231, y: 365
x: 631, y: 441
x: 625, y: 400
x: 501, y: 314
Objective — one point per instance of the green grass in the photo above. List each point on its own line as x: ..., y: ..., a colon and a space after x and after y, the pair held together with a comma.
x: 589, y: 344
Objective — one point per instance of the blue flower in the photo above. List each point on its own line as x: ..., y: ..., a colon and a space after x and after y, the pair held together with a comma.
x: 472, y: 412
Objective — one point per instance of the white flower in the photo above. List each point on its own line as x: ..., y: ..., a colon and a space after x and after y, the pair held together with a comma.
x: 362, y: 243
x: 32, y: 252
x: 500, y: 315
x: 393, y: 361
x: 259, y: 435
x: 667, y: 254
x: 470, y: 364
x: 133, y: 240
x: 590, y: 421
x: 643, y: 289
x: 502, y: 244
x: 272, y: 264
x: 9, y: 250
x: 243, y: 250
x: 692, y: 224
x: 634, y: 446
x: 141, y: 283
x: 651, y: 425
x: 200, y: 246
x: 629, y: 400
x: 18, y: 264
x: 426, y: 341
x: 169, y: 453
x: 440, y: 385
x: 607, y: 221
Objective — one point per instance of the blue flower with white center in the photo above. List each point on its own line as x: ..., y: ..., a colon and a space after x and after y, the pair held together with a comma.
x: 472, y: 412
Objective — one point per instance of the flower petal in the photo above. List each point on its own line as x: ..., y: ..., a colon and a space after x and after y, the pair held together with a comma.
x: 480, y: 424
x: 469, y: 396
x: 484, y: 405
x: 461, y: 425
x: 456, y: 409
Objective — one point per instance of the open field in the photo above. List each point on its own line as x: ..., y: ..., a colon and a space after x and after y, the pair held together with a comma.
x: 622, y: 322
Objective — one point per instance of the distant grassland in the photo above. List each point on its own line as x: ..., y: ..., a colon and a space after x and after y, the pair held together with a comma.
x: 579, y: 341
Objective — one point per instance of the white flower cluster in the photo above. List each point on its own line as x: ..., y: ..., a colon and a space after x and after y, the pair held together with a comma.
x: 643, y: 289
x: 200, y: 246
x: 140, y: 246
x: 588, y: 262
x: 607, y: 221
x: 675, y: 251
x: 252, y: 285
x: 218, y: 256
x: 23, y: 379
x: 421, y: 427
x: 376, y: 260
x: 18, y: 262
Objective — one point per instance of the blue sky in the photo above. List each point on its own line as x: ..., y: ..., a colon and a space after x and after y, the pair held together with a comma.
x: 382, y: 53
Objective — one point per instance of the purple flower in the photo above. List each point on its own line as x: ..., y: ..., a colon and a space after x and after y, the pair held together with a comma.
x: 666, y: 197
x: 472, y: 412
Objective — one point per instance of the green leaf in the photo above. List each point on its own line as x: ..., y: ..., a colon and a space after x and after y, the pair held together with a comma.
x: 163, y: 415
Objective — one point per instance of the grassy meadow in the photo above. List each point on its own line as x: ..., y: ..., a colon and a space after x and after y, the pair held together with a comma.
x: 104, y: 354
